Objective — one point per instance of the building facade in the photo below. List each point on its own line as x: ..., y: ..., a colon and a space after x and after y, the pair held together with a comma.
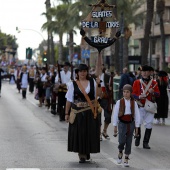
x: 155, y: 55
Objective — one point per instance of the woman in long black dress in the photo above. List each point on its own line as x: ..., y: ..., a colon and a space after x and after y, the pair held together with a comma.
x: 162, y: 101
x: 84, y: 133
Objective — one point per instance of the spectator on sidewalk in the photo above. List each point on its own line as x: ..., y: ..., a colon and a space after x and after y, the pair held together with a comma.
x: 124, y: 79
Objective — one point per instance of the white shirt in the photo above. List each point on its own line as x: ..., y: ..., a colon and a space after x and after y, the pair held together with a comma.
x: 43, y: 77
x: 127, y: 111
x: 102, y: 79
x: 65, y: 77
x: 70, y: 93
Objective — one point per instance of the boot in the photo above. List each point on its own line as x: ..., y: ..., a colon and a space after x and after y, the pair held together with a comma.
x: 40, y: 102
x: 137, y: 140
x: 146, y: 138
x: 48, y: 103
x: 23, y: 94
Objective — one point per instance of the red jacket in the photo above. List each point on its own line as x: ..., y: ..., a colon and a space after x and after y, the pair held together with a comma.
x: 138, y: 90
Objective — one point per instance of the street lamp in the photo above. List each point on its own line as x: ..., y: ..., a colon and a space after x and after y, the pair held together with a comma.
x: 19, y: 30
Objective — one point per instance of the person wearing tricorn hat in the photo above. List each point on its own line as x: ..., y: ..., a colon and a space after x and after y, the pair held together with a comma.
x: 84, y: 131
x: 162, y: 101
x: 63, y: 78
x: 145, y: 89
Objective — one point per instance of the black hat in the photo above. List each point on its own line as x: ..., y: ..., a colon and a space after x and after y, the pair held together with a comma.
x: 162, y: 73
x: 82, y: 67
x: 151, y: 68
x: 43, y: 68
x: 140, y: 68
x: 76, y: 70
x: 146, y: 68
x: 66, y: 64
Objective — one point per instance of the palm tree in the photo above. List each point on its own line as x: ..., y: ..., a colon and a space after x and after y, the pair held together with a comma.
x: 147, y: 31
x: 160, y: 7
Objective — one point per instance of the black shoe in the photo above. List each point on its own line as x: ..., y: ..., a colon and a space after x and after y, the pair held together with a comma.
x: 88, y: 156
x: 146, y: 146
x: 82, y: 160
x: 53, y: 112
x: 137, y: 141
x: 105, y: 135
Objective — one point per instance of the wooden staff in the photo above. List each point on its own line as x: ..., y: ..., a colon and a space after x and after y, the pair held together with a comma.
x: 98, y: 72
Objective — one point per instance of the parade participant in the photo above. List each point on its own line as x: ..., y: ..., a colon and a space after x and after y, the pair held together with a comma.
x: 84, y: 132
x: 126, y: 118
x: 24, y: 80
x: 31, y: 80
x: 17, y: 77
x: 12, y: 77
x: 63, y: 77
x: 47, y: 86
x: 1, y: 71
x: 145, y: 89
x: 41, y: 79
x: 54, y: 91
x: 163, y: 100
x: 104, y: 102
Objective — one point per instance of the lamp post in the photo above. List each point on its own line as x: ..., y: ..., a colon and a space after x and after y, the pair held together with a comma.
x: 19, y: 30
x: 44, y: 41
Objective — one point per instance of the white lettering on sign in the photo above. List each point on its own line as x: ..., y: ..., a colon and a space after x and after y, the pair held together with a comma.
x: 112, y: 24
x: 100, y: 39
x: 101, y: 14
x: 90, y: 24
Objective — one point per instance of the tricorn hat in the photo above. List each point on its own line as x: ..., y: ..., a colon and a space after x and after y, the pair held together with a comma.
x: 162, y: 73
x: 66, y: 64
x: 146, y: 68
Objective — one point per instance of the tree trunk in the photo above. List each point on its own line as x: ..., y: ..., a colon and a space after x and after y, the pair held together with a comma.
x: 125, y: 52
x: 163, y: 42
x: 60, y: 58
x: 71, y: 45
x: 52, y: 50
x: 114, y: 59
x: 147, y: 31
x: 48, y: 49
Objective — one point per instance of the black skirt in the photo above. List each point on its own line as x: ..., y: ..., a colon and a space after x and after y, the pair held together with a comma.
x: 84, y: 134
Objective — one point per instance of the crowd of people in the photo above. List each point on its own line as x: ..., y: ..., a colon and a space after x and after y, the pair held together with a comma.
x: 77, y: 97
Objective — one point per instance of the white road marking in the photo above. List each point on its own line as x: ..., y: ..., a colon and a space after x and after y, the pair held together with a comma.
x: 22, y: 169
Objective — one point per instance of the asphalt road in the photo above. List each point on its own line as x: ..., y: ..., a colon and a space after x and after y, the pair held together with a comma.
x: 33, y: 139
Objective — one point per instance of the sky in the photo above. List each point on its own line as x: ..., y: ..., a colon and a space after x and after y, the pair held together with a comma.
x: 27, y: 16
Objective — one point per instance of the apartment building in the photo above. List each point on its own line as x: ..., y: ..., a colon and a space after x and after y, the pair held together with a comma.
x: 154, y: 55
